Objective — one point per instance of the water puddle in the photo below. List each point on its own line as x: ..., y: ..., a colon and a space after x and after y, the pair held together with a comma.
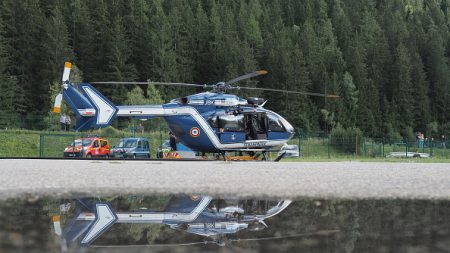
x: 195, y: 223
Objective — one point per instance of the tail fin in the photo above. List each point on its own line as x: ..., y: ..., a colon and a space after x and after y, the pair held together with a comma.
x: 76, y: 226
x: 106, y: 111
x: 91, y: 219
x: 92, y: 109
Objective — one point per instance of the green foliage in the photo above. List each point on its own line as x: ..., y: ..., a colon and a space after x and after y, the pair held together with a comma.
x: 347, y: 140
x: 391, y: 134
x: 349, y: 101
x: 407, y: 133
x: 388, y: 60
x: 109, y: 131
x: 432, y: 129
x: 51, y: 120
x: 137, y: 97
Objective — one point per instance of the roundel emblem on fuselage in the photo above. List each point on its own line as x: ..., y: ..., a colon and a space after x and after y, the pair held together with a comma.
x: 194, y: 132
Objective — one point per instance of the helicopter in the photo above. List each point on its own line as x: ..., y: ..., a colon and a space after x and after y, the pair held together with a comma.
x: 207, y: 122
x: 213, y: 219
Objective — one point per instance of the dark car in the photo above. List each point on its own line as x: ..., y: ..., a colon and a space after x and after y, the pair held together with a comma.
x: 132, y: 148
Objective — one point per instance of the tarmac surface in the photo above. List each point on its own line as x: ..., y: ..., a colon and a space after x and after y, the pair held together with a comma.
x: 356, y: 180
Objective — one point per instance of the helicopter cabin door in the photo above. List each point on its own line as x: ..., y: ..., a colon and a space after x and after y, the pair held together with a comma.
x: 256, y: 126
x: 231, y: 128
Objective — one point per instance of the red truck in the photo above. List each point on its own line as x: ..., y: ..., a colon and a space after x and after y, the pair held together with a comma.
x: 88, y: 147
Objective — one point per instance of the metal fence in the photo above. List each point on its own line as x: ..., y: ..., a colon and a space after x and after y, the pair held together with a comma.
x: 53, y: 144
x: 24, y: 143
x: 323, y: 146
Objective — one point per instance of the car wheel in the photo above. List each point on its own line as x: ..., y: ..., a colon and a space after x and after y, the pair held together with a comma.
x: 88, y: 156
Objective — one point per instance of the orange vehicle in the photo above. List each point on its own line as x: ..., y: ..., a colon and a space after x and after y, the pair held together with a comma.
x: 88, y: 147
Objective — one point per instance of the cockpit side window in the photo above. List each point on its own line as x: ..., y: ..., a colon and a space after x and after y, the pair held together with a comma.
x: 275, y: 124
x: 213, y: 121
x: 231, y: 123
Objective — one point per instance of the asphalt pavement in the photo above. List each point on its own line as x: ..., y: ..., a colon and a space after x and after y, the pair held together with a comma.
x: 355, y: 180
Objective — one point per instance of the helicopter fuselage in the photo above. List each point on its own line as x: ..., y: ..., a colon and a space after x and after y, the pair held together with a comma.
x: 212, y: 122
x: 205, y: 122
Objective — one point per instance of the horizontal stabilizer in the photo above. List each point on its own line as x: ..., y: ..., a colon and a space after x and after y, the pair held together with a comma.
x: 105, y: 110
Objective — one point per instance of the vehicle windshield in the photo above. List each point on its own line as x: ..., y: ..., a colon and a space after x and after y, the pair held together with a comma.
x: 120, y: 145
x: 81, y: 143
x: 130, y: 144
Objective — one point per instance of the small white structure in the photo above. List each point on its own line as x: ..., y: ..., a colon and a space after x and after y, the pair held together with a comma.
x: 291, y: 150
x: 409, y: 154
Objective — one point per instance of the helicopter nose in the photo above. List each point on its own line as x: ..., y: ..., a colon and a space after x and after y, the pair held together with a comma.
x: 289, y: 128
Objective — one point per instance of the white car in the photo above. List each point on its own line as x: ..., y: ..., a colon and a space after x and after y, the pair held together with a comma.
x: 291, y: 150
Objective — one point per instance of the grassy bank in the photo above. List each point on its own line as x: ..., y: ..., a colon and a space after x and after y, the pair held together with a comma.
x: 25, y: 143
x: 19, y: 143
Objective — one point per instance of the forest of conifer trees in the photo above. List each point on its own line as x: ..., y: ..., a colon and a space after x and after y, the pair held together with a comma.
x: 388, y: 60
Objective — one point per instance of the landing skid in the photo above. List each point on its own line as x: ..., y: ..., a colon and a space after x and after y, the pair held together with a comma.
x: 252, y: 156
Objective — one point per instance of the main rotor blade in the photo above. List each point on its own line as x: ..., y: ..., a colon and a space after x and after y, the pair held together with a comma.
x: 66, y: 73
x: 154, y: 83
x: 57, y: 105
x: 247, y: 76
x: 291, y: 91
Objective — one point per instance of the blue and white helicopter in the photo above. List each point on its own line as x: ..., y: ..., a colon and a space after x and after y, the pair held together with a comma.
x: 210, y: 122
x: 213, y: 219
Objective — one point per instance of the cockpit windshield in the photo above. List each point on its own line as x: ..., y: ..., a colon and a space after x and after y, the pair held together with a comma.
x: 275, y: 124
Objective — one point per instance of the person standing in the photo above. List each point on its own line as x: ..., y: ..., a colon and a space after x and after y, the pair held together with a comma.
x: 172, y: 141
x: 68, y: 122
x: 62, y: 121
x: 140, y: 129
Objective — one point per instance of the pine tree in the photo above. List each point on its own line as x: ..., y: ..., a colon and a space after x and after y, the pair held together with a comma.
x: 117, y: 55
x: 137, y: 27
x: 348, y: 102
x: 24, y: 24
x: 402, y: 88
x: 201, y: 47
x: 82, y: 37
x: 163, y: 54
x: 8, y: 86
x: 438, y: 74
x: 56, y: 47
x: 421, y: 102
x: 376, y: 58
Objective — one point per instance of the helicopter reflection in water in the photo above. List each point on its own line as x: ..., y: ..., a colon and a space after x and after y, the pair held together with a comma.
x: 199, y: 215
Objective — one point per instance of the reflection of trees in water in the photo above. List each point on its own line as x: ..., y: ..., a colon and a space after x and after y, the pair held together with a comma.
x: 25, y: 226
x: 365, y: 225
